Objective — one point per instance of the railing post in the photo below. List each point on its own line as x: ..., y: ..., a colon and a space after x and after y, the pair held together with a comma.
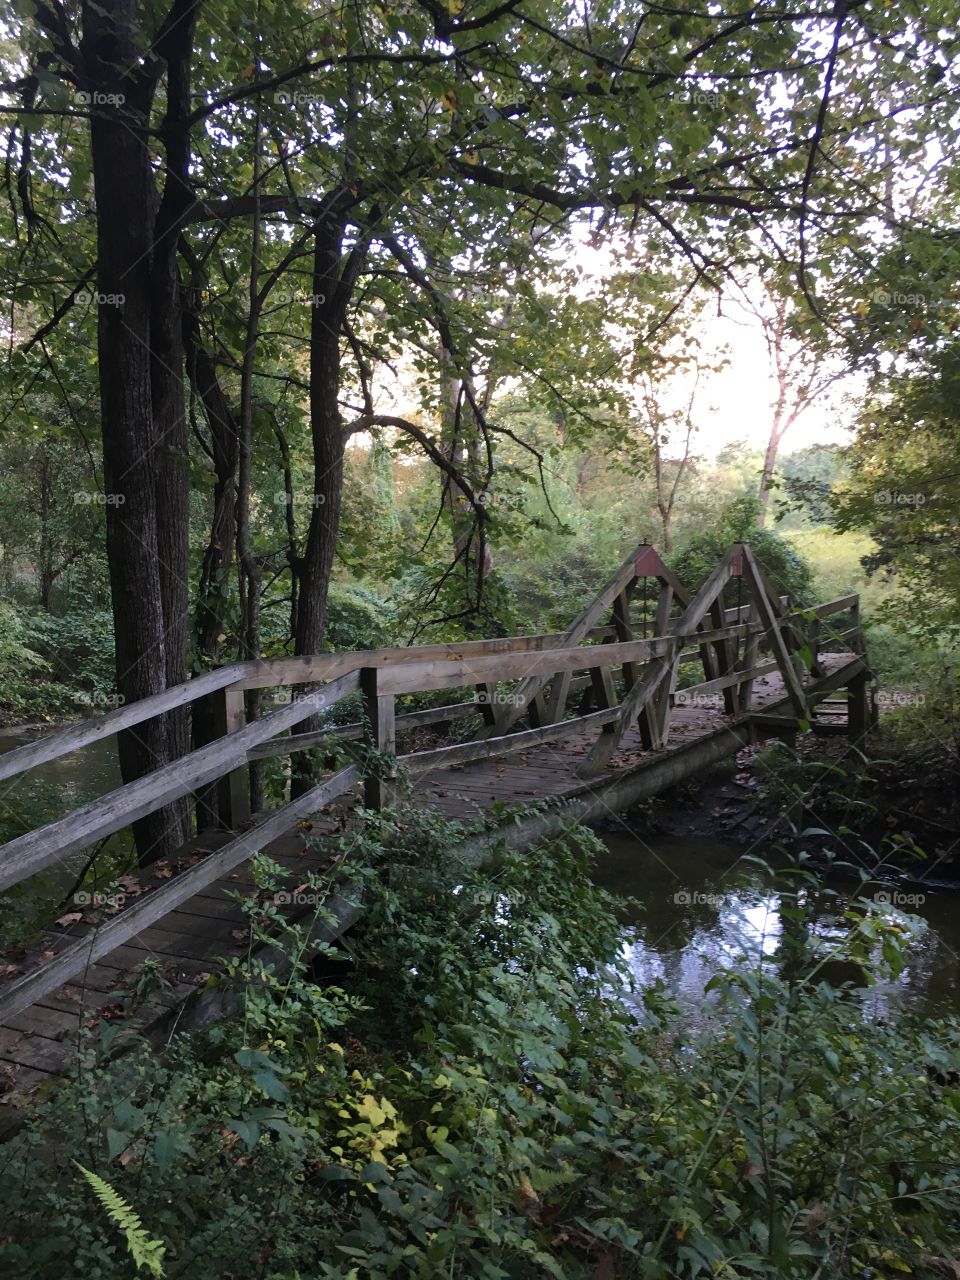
x: 751, y: 652
x: 858, y: 715
x: 814, y: 633
x: 856, y: 643
x: 233, y: 789
x: 379, y: 713
x: 658, y: 714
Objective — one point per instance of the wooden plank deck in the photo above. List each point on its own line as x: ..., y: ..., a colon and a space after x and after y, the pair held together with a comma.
x: 188, y: 943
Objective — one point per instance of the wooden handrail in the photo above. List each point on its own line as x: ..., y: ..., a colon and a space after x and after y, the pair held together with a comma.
x: 647, y: 668
x: 76, y: 736
x: 398, y: 671
x: 271, y: 672
x: 155, y: 904
x: 275, y: 672
x: 37, y: 849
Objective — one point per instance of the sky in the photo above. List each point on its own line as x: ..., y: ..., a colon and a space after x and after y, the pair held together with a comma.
x: 739, y: 398
x: 735, y: 403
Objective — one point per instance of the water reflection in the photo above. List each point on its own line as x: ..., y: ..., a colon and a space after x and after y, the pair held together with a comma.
x: 701, y: 908
x: 39, y: 796
x: 54, y: 788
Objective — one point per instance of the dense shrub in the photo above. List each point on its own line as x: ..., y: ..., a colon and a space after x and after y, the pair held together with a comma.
x: 785, y: 569
x: 463, y: 1095
x: 356, y: 619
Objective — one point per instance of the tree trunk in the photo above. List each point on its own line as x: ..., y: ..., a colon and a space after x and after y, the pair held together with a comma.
x: 766, y: 475
x: 46, y: 573
x: 172, y: 490
x: 136, y: 476
x: 215, y: 576
x: 459, y: 447
x: 326, y: 428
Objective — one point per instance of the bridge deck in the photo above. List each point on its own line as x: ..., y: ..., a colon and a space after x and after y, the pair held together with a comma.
x: 186, y: 944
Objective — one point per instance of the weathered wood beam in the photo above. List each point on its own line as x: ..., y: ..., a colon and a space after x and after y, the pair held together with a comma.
x: 233, y: 789
x: 145, y: 911
x: 650, y: 680
x: 707, y: 687
x: 306, y: 669
x: 451, y: 674
x: 54, y: 745
x: 575, y: 633
x: 774, y: 634
x: 56, y: 840
x: 655, y: 717
x: 379, y: 709
x: 420, y: 762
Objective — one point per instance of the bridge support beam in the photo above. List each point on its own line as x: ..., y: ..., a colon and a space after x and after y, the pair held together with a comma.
x: 233, y: 789
x: 858, y: 710
x: 379, y: 713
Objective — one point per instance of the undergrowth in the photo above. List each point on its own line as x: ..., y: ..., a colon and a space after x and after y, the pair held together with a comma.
x: 457, y: 1090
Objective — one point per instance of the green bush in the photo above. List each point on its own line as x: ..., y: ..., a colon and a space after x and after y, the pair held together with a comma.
x: 53, y: 665
x: 785, y: 569
x: 26, y: 690
x: 461, y: 1093
x: 356, y: 619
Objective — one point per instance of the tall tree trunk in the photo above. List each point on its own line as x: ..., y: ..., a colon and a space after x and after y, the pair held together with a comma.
x: 460, y: 448
x: 172, y: 488
x: 174, y: 44
x: 123, y: 187
x: 215, y: 569
x: 326, y: 428
x: 215, y: 572
x: 141, y: 389
x: 247, y: 560
x: 778, y: 430
x: 46, y: 572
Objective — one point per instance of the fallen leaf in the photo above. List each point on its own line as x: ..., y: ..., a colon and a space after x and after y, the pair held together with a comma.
x: 162, y: 870
x: 529, y: 1200
x: 70, y: 918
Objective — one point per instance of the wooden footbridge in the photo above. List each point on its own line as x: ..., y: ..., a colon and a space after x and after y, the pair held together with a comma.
x: 598, y: 717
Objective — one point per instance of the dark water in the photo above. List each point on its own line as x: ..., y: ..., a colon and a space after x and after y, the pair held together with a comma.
x: 702, y: 908
x: 32, y: 799
x: 53, y: 789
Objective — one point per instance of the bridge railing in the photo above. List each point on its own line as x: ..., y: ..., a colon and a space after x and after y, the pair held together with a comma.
x: 623, y: 680
x: 620, y: 679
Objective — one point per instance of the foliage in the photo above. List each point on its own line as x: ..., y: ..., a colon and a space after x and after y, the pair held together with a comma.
x: 903, y: 489
x: 459, y: 1091
x: 785, y: 569
x: 356, y: 618
x: 25, y: 691
x: 145, y: 1251
x: 53, y: 664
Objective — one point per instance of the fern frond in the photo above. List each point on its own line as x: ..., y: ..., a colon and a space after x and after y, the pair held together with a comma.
x: 146, y: 1251
x: 550, y: 1179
